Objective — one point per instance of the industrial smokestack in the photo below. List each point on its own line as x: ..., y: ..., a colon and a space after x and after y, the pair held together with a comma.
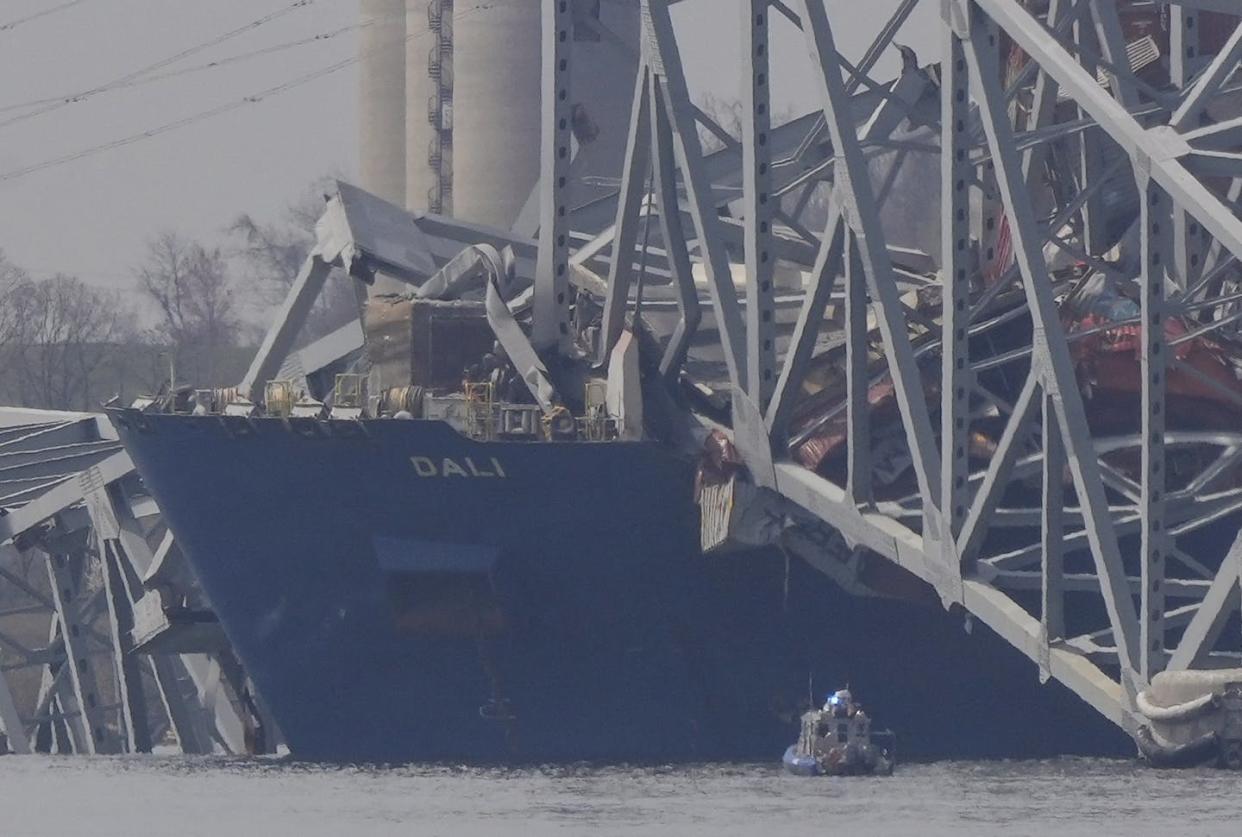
x: 381, y: 99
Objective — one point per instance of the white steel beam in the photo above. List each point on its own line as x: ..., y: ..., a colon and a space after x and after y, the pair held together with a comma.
x: 857, y: 380
x: 1224, y: 64
x: 828, y: 266
x: 1220, y: 603
x: 1156, y: 237
x: 290, y: 318
x: 668, y: 205
x: 1090, y: 173
x: 11, y: 720
x: 61, y: 497
x: 629, y: 208
x: 993, y: 608
x: 855, y: 195
x: 1044, y: 95
x: 1052, y: 528
x: 96, y: 735
x: 997, y: 475
x: 759, y: 203
x: 1156, y: 149
x: 129, y: 686
x: 1113, y: 49
x: 663, y: 57
x: 1051, y: 350
x: 550, y: 320
x: 188, y: 713
x: 1183, y: 44
x: 957, y: 173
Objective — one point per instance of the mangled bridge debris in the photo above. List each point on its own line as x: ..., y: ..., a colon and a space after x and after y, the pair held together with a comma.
x: 1027, y: 401
x: 93, y: 590
x: 1023, y: 403
x: 1077, y: 345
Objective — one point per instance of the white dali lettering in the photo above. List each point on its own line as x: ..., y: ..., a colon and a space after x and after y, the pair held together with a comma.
x: 465, y: 468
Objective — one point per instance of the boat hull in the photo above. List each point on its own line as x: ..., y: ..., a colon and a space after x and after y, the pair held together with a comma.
x: 800, y: 765
x: 398, y: 592
x: 852, y: 761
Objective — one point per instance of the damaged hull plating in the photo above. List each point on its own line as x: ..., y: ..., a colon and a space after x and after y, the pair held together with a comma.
x: 398, y: 592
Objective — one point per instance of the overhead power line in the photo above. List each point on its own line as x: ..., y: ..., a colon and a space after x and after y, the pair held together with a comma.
x: 196, y: 68
x: 30, y: 18
x: 202, y: 116
x: 129, y: 78
x: 180, y: 123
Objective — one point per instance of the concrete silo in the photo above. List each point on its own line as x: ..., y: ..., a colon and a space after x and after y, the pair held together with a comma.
x: 605, y: 67
x: 497, y: 74
x: 449, y: 103
x: 496, y: 127
x: 381, y: 99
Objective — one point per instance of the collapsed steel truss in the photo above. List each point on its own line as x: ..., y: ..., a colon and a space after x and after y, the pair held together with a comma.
x: 1102, y: 544
x: 1082, y: 547
x: 75, y: 562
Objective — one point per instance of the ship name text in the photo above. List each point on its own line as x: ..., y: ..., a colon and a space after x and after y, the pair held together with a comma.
x: 449, y: 467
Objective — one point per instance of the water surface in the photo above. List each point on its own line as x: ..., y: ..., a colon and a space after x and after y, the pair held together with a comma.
x: 139, y: 796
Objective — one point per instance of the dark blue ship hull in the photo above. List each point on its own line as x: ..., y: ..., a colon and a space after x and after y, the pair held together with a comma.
x: 398, y: 592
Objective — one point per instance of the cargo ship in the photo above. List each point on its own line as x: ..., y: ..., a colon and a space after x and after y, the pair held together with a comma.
x: 398, y: 591
x: 433, y: 546
x: 443, y: 569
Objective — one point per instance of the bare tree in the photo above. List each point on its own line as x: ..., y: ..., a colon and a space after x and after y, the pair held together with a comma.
x: 194, y: 293
x: 13, y: 280
x: 66, y: 334
x: 273, y: 253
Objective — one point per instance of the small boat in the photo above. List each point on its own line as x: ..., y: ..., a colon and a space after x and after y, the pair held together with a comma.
x: 838, y: 741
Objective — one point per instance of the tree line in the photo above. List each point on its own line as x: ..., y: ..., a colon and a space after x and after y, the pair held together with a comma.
x: 196, y: 310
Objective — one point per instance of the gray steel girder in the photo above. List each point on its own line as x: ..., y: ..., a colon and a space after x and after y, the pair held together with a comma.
x: 1045, y: 432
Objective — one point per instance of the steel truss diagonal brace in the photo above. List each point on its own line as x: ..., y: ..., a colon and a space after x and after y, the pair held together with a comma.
x: 857, y: 199
x: 1160, y: 148
x: 293, y: 313
x: 11, y: 720
x: 828, y: 265
x: 1220, y: 603
x: 1195, y: 104
x: 1051, y: 352
x: 629, y: 210
x: 668, y: 205
x: 649, y: 145
x: 663, y: 58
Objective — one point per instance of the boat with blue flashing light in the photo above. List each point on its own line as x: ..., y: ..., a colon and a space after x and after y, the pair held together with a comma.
x: 838, y: 740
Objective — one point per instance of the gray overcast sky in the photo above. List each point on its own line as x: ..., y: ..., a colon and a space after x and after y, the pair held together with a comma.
x: 91, y: 217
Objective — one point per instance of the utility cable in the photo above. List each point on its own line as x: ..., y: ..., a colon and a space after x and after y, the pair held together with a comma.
x: 14, y: 174
x: 128, y: 78
x: 180, y: 123
x: 30, y: 18
x: 197, y: 68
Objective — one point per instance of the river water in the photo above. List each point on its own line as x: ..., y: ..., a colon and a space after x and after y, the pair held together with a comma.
x: 134, y: 797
